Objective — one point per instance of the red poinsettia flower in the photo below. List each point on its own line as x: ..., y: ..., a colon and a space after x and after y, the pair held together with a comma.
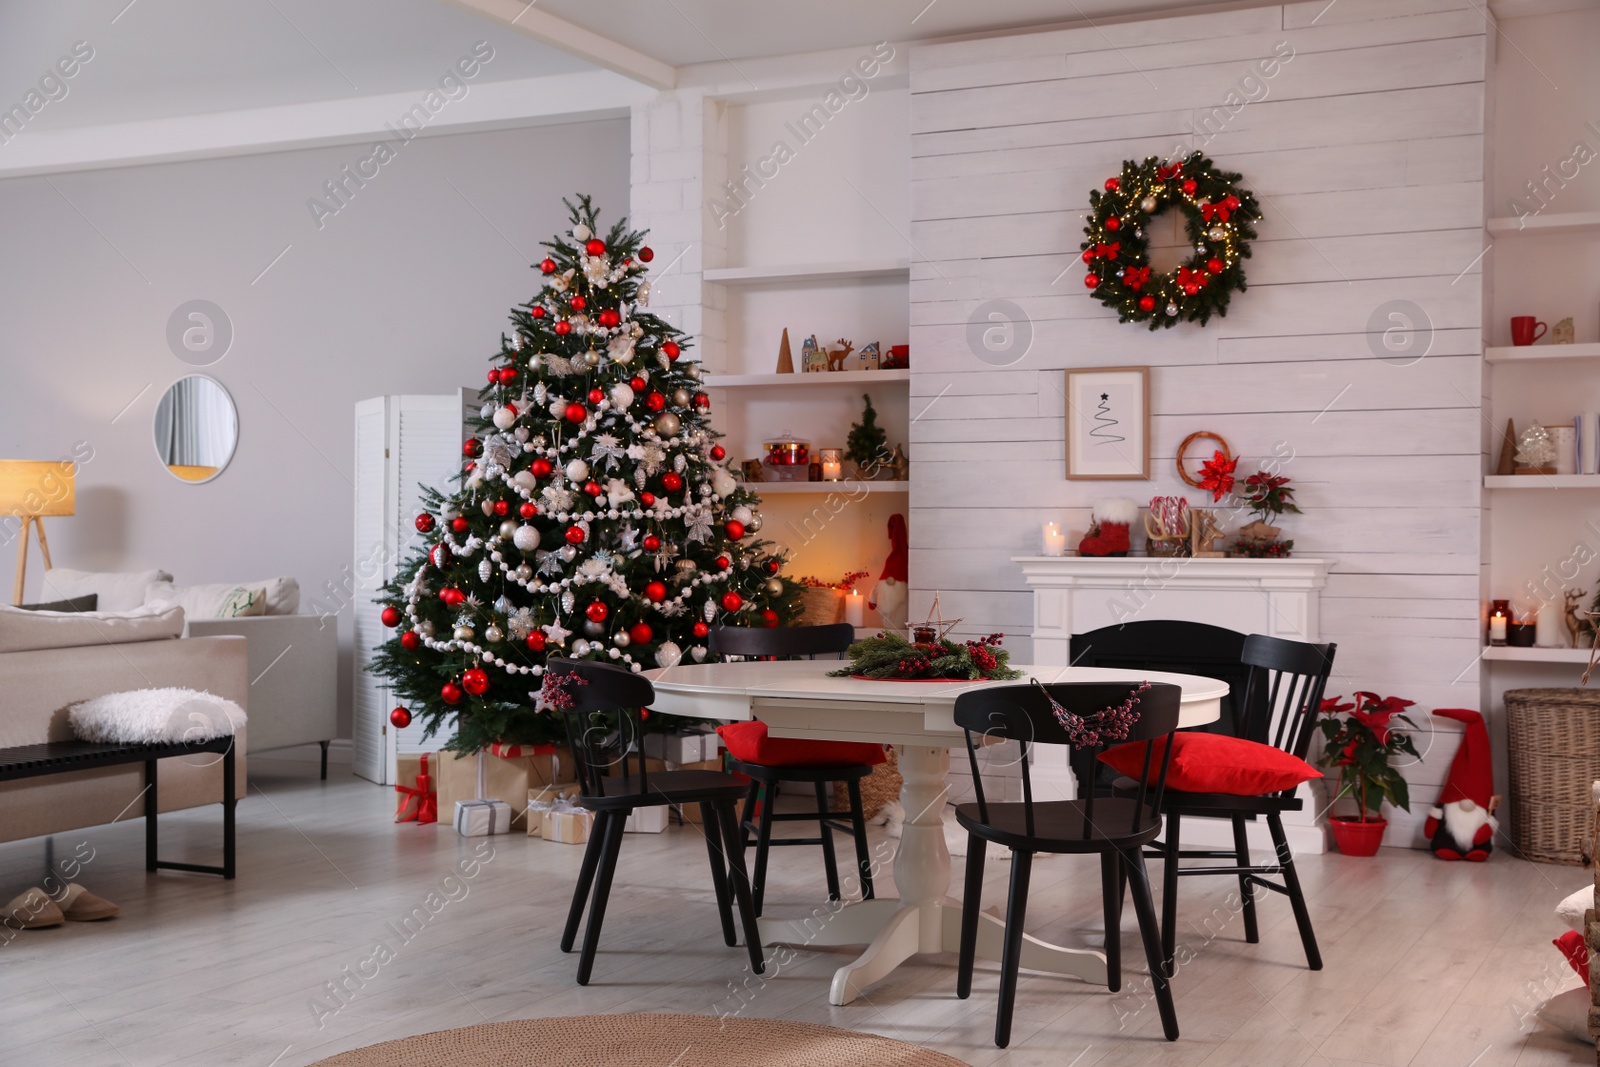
x: 1331, y: 706
x: 1135, y: 277
x: 1216, y: 474
x: 1376, y: 712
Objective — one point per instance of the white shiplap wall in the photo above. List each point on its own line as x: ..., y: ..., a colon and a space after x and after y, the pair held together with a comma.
x: 1367, y: 155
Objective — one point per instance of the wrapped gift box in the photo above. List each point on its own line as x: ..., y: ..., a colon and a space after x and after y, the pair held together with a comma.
x: 547, y: 798
x: 456, y: 778
x: 480, y: 818
x: 569, y: 827
x: 414, y: 782
x: 646, y: 820
x: 682, y: 749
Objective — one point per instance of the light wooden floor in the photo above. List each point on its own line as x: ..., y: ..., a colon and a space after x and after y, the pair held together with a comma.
x: 1427, y: 962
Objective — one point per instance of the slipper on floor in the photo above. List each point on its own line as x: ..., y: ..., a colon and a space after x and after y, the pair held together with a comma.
x: 31, y: 910
x: 78, y: 905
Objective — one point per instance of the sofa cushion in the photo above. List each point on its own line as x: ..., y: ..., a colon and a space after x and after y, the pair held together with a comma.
x: 218, y: 600
x: 27, y: 631
x: 150, y: 716
x: 88, y: 602
x: 118, y: 590
x: 283, y: 594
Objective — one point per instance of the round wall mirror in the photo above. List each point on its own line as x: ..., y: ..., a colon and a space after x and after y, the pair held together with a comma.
x: 196, y: 428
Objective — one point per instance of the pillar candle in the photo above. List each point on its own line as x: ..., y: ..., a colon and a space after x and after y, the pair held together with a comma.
x: 855, y: 608
x: 1055, y: 542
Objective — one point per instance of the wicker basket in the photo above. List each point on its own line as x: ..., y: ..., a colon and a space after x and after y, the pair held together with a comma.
x: 1553, y: 738
x: 822, y: 606
x: 877, y: 788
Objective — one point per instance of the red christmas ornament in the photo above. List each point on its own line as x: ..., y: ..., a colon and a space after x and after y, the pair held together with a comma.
x: 475, y: 681
x: 528, y: 509
x: 672, y: 481
x: 646, y: 254
x: 734, y: 528
x: 732, y: 601
x: 593, y: 488
x: 575, y: 535
x: 1091, y: 280
x: 548, y: 266
x: 595, y: 247
x: 1190, y: 186
x: 400, y: 718
x: 723, y: 563
x: 596, y: 395
x: 1147, y: 303
x: 1190, y: 290
x: 472, y: 448
x: 410, y: 641
x: 671, y: 349
x: 425, y: 523
x: 576, y: 412
x: 608, y: 318
x: 637, y: 383
x: 508, y: 375
x: 597, y: 611
x: 702, y: 401
x: 459, y: 524
x: 640, y: 633
x: 773, y: 566
x: 536, y: 312
x: 769, y: 617
x: 647, y: 499
x: 701, y: 629
x: 540, y: 467
x: 536, y: 641
x: 1113, y: 184
x: 1214, y: 266
x: 502, y: 508
x: 562, y: 328
x: 655, y: 592
x: 652, y: 543
x: 655, y: 402
x: 450, y: 693
x: 1088, y: 255
x: 579, y: 303
x: 1113, y: 224
x: 718, y: 453
x: 390, y: 616
x: 494, y: 375
x: 451, y: 596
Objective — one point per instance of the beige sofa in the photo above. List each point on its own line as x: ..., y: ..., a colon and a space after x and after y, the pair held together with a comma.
x: 36, y: 688
x: 294, y: 677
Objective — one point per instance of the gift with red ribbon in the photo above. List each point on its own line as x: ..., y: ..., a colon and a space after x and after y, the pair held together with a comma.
x: 426, y: 807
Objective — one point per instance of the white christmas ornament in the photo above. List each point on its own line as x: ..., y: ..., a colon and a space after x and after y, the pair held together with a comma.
x: 621, y: 396
x: 668, y: 654
x: 525, y: 481
x: 722, y: 483
x: 526, y: 538
x: 743, y: 514
x: 577, y: 470
x: 699, y: 653
x: 505, y: 417
x: 582, y: 232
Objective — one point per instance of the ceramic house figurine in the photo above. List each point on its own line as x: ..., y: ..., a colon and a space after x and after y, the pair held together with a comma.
x: 1563, y: 333
x: 869, y: 357
x: 813, y: 357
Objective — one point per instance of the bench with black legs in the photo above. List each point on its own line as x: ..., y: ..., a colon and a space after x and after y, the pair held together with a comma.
x: 66, y: 757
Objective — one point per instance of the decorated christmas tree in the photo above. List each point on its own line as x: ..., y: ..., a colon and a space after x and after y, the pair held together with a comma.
x: 594, y: 517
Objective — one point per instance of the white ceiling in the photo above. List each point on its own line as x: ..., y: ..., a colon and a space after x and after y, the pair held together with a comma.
x: 163, y: 58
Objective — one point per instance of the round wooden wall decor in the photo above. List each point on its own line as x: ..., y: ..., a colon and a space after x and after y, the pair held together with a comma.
x: 1199, y: 435
x: 1219, y: 217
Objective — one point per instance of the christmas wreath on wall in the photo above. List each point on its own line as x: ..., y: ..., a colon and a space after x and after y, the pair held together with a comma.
x: 1219, y: 215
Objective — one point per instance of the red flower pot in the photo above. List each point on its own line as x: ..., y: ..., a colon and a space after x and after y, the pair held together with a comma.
x: 1356, y: 838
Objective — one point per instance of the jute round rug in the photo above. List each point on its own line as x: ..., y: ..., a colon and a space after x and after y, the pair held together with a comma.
x: 642, y: 1041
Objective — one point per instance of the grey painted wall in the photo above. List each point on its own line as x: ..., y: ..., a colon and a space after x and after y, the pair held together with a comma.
x: 404, y: 290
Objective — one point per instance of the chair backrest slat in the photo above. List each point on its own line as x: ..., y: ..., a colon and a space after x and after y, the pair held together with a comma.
x: 604, y: 725
x: 1292, y: 677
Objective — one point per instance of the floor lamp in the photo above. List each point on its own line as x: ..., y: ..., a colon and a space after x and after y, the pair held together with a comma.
x: 30, y: 490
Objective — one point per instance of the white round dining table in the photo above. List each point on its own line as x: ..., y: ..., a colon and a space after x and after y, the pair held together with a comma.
x: 799, y: 698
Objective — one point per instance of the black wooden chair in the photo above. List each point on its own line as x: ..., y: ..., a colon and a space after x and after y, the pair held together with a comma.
x: 1117, y: 828
x: 603, y: 729
x: 815, y: 763
x: 1276, y: 692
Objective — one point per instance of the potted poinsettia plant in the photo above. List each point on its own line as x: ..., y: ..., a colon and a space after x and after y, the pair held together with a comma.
x: 1361, y: 739
x: 1267, y: 496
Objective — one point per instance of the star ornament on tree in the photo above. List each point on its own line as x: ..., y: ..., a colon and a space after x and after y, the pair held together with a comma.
x: 1216, y: 474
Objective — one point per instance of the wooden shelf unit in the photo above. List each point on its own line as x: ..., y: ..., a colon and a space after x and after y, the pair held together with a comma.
x: 1507, y: 653
x: 1541, y: 353
x: 843, y: 377
x: 847, y: 486
x: 1542, y: 481
x: 1552, y: 223
x: 792, y: 273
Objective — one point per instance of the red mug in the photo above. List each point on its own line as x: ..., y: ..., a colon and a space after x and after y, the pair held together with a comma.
x: 1523, y: 327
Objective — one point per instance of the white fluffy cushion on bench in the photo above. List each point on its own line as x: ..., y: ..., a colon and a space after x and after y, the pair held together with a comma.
x: 151, y: 716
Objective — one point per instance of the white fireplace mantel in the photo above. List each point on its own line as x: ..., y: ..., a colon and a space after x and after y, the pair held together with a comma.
x: 1076, y: 594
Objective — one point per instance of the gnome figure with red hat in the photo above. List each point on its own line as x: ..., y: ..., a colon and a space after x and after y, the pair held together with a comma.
x: 1461, y: 825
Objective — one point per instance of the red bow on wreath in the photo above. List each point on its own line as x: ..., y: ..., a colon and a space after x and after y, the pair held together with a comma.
x: 1135, y: 277
x: 1216, y: 474
x: 1191, y: 281
x: 1107, y: 251
x: 1166, y: 174
x: 1221, y: 209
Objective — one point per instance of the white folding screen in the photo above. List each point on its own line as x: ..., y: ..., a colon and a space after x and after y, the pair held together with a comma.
x: 402, y: 444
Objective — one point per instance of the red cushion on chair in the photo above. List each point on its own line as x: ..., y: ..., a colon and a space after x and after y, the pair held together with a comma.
x: 1215, y: 763
x: 748, y: 742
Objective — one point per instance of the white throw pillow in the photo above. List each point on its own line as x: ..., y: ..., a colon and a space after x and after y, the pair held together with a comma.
x: 1571, y: 909
x: 149, y: 716
x: 28, y: 631
x: 1568, y: 1013
x: 242, y: 603
x: 283, y: 594
x: 117, y: 590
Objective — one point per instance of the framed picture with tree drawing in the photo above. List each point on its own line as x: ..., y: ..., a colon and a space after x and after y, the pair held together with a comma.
x: 1108, y: 423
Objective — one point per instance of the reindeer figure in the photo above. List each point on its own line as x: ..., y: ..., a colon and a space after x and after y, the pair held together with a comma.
x: 1574, y: 614
x: 836, y: 356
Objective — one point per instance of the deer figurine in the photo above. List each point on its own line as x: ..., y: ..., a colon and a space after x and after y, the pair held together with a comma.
x: 837, y: 356
x: 1574, y: 615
